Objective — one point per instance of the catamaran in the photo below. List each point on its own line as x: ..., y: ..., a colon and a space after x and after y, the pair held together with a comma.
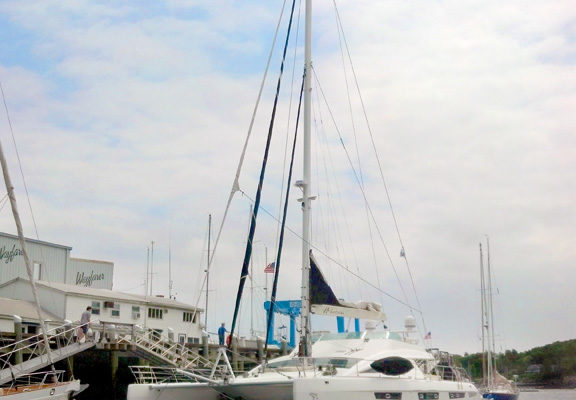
x: 376, y: 363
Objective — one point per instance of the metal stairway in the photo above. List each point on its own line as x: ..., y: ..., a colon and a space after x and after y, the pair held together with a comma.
x: 33, y: 350
x: 149, y: 345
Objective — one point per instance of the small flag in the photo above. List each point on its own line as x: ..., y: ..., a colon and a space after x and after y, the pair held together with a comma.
x: 270, y: 268
x: 402, y: 252
x: 428, y: 336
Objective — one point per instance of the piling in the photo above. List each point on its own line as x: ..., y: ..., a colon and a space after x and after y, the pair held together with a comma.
x: 18, y: 338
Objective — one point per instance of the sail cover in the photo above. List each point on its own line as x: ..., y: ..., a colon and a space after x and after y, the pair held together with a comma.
x: 323, y: 301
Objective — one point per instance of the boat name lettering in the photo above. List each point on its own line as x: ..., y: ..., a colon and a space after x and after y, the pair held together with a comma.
x: 86, y: 280
x: 8, y: 255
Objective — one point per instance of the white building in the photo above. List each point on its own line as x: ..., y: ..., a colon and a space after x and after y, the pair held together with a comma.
x: 51, y: 262
x: 63, y: 301
x: 26, y: 310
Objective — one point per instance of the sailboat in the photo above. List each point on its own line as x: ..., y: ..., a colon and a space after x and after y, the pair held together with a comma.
x: 373, y: 364
x: 495, y: 386
x: 39, y: 385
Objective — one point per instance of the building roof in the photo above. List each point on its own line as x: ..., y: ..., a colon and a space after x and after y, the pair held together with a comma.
x: 24, y: 309
x: 28, y: 240
x: 113, y: 295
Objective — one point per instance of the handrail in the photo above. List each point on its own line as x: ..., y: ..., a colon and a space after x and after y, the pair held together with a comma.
x: 34, y: 345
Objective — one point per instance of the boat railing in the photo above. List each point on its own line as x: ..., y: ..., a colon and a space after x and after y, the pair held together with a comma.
x: 451, y: 373
x: 38, y: 379
x: 145, y: 374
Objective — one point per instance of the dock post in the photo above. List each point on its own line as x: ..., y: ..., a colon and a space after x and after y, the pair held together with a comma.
x: 284, y: 347
x: 260, y: 347
x: 114, y: 368
x: 103, y: 332
x: 205, y: 347
x: 18, y: 338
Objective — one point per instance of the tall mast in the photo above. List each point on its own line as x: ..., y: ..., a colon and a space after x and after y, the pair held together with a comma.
x: 207, y: 272
x: 493, y: 349
x: 305, y: 340
x: 16, y: 215
x: 483, y: 307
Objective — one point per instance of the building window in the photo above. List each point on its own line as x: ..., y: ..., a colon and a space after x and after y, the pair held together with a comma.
x: 194, y: 340
x: 37, y: 272
x: 188, y: 317
x: 116, y: 310
x: 135, y: 312
x: 182, y: 338
x: 96, y: 307
x: 155, y: 313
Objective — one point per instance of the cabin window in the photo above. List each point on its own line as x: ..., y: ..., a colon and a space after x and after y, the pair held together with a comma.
x: 96, y: 307
x: 116, y: 310
x: 392, y: 366
x: 388, y: 395
x: 194, y: 340
x: 135, y: 312
x: 156, y: 313
x: 188, y: 317
x: 428, y: 396
x: 182, y: 338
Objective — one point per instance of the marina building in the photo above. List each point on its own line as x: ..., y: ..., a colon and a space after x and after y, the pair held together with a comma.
x: 66, y: 286
x: 51, y: 262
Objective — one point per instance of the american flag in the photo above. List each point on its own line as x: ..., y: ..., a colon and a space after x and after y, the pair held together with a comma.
x: 428, y: 336
x: 270, y: 268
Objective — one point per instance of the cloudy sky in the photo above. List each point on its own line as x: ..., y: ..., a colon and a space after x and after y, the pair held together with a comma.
x: 130, y: 117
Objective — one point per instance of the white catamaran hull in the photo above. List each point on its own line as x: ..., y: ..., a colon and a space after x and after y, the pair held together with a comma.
x: 172, y: 391
x: 328, y: 388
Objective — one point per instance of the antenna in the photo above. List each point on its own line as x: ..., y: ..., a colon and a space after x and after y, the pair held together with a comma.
x: 151, y: 267
x: 170, y: 266
x: 147, y: 271
x: 207, y: 272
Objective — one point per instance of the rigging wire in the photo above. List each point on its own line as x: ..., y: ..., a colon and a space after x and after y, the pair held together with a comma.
x: 248, y: 253
x: 335, y: 261
x: 19, y: 161
x: 332, y: 203
x: 235, y: 183
x: 282, y: 230
x: 361, y: 188
x: 340, y: 35
x: 281, y: 195
x: 403, y: 249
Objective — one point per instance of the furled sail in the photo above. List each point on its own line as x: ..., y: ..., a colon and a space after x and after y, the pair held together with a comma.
x: 323, y: 301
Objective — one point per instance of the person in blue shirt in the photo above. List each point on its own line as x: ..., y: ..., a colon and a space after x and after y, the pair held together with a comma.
x: 222, y: 333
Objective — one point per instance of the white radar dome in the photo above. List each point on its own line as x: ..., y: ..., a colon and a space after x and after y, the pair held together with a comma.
x: 410, y: 323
